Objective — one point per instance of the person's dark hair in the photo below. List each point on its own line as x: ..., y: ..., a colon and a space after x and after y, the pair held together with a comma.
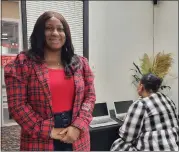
x: 151, y: 82
x: 37, y: 40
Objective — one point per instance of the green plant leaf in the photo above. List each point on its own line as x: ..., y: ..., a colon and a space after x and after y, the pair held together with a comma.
x: 165, y: 87
x: 137, y: 67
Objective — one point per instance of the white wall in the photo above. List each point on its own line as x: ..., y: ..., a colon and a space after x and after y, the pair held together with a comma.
x: 166, y: 38
x: 119, y: 33
x: 97, y: 47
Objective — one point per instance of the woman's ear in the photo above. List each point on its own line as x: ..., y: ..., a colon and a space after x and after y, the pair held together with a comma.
x: 142, y: 87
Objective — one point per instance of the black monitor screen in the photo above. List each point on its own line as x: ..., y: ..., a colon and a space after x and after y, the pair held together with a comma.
x: 100, y: 109
x: 122, y: 106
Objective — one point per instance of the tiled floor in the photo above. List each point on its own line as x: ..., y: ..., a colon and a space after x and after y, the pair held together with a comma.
x: 10, y: 138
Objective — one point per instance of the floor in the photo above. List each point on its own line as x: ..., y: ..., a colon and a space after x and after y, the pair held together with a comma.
x: 10, y: 138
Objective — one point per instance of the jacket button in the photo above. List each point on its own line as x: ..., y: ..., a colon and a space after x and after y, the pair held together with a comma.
x: 63, y: 115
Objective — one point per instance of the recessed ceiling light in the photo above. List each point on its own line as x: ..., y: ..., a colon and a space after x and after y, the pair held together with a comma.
x: 4, y: 38
x: 4, y: 34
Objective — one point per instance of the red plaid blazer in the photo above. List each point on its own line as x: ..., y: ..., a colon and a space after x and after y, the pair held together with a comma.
x: 29, y: 103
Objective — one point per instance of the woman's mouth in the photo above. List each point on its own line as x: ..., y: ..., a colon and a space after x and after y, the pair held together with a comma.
x: 55, y: 40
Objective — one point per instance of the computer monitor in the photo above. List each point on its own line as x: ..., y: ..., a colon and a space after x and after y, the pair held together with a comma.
x: 100, y: 109
x: 122, y: 106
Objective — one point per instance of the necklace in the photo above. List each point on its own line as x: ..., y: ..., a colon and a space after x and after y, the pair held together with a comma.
x: 58, y: 63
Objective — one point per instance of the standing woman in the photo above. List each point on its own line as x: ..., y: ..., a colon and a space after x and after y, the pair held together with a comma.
x: 50, y: 90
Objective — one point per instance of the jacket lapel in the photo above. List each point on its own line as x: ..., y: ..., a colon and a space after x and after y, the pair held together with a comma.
x: 43, y: 77
x: 76, y: 104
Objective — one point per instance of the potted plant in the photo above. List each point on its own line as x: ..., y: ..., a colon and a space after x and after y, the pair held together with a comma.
x: 159, y: 65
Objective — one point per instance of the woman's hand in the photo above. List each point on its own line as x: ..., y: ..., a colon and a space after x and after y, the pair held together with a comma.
x: 69, y: 134
x: 55, y: 133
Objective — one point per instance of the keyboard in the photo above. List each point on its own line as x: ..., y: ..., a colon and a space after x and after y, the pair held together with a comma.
x: 102, y: 122
x: 122, y: 117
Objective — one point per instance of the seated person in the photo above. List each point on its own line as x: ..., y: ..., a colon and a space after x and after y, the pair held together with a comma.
x: 151, y: 123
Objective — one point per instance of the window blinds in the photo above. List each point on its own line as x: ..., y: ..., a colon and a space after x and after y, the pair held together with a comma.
x: 71, y: 10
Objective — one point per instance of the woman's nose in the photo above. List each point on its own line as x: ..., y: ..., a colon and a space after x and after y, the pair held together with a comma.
x: 55, y: 32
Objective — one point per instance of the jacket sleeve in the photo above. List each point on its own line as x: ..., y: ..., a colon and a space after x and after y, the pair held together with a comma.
x: 16, y: 78
x: 85, y: 114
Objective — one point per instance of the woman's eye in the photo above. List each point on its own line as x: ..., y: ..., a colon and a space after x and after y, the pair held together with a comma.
x: 60, y: 29
x: 49, y: 28
x: 52, y: 29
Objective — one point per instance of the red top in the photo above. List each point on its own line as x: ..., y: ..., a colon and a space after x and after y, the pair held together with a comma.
x: 62, y: 90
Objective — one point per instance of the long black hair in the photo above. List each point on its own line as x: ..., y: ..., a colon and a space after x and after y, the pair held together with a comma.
x: 37, y: 41
x: 151, y: 82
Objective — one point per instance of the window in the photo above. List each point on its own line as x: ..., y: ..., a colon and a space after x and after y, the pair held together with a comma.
x: 11, y: 44
x: 10, y: 37
x: 11, y: 28
x: 71, y: 10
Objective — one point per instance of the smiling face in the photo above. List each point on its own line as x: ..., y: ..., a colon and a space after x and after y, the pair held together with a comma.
x: 54, y: 34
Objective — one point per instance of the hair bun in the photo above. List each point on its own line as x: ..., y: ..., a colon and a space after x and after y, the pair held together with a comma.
x: 153, y: 79
x: 151, y: 82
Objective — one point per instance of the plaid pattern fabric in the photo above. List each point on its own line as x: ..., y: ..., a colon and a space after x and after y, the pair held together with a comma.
x: 151, y: 125
x: 29, y: 103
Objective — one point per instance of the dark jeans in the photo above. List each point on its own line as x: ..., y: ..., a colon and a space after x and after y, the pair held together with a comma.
x: 62, y: 120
